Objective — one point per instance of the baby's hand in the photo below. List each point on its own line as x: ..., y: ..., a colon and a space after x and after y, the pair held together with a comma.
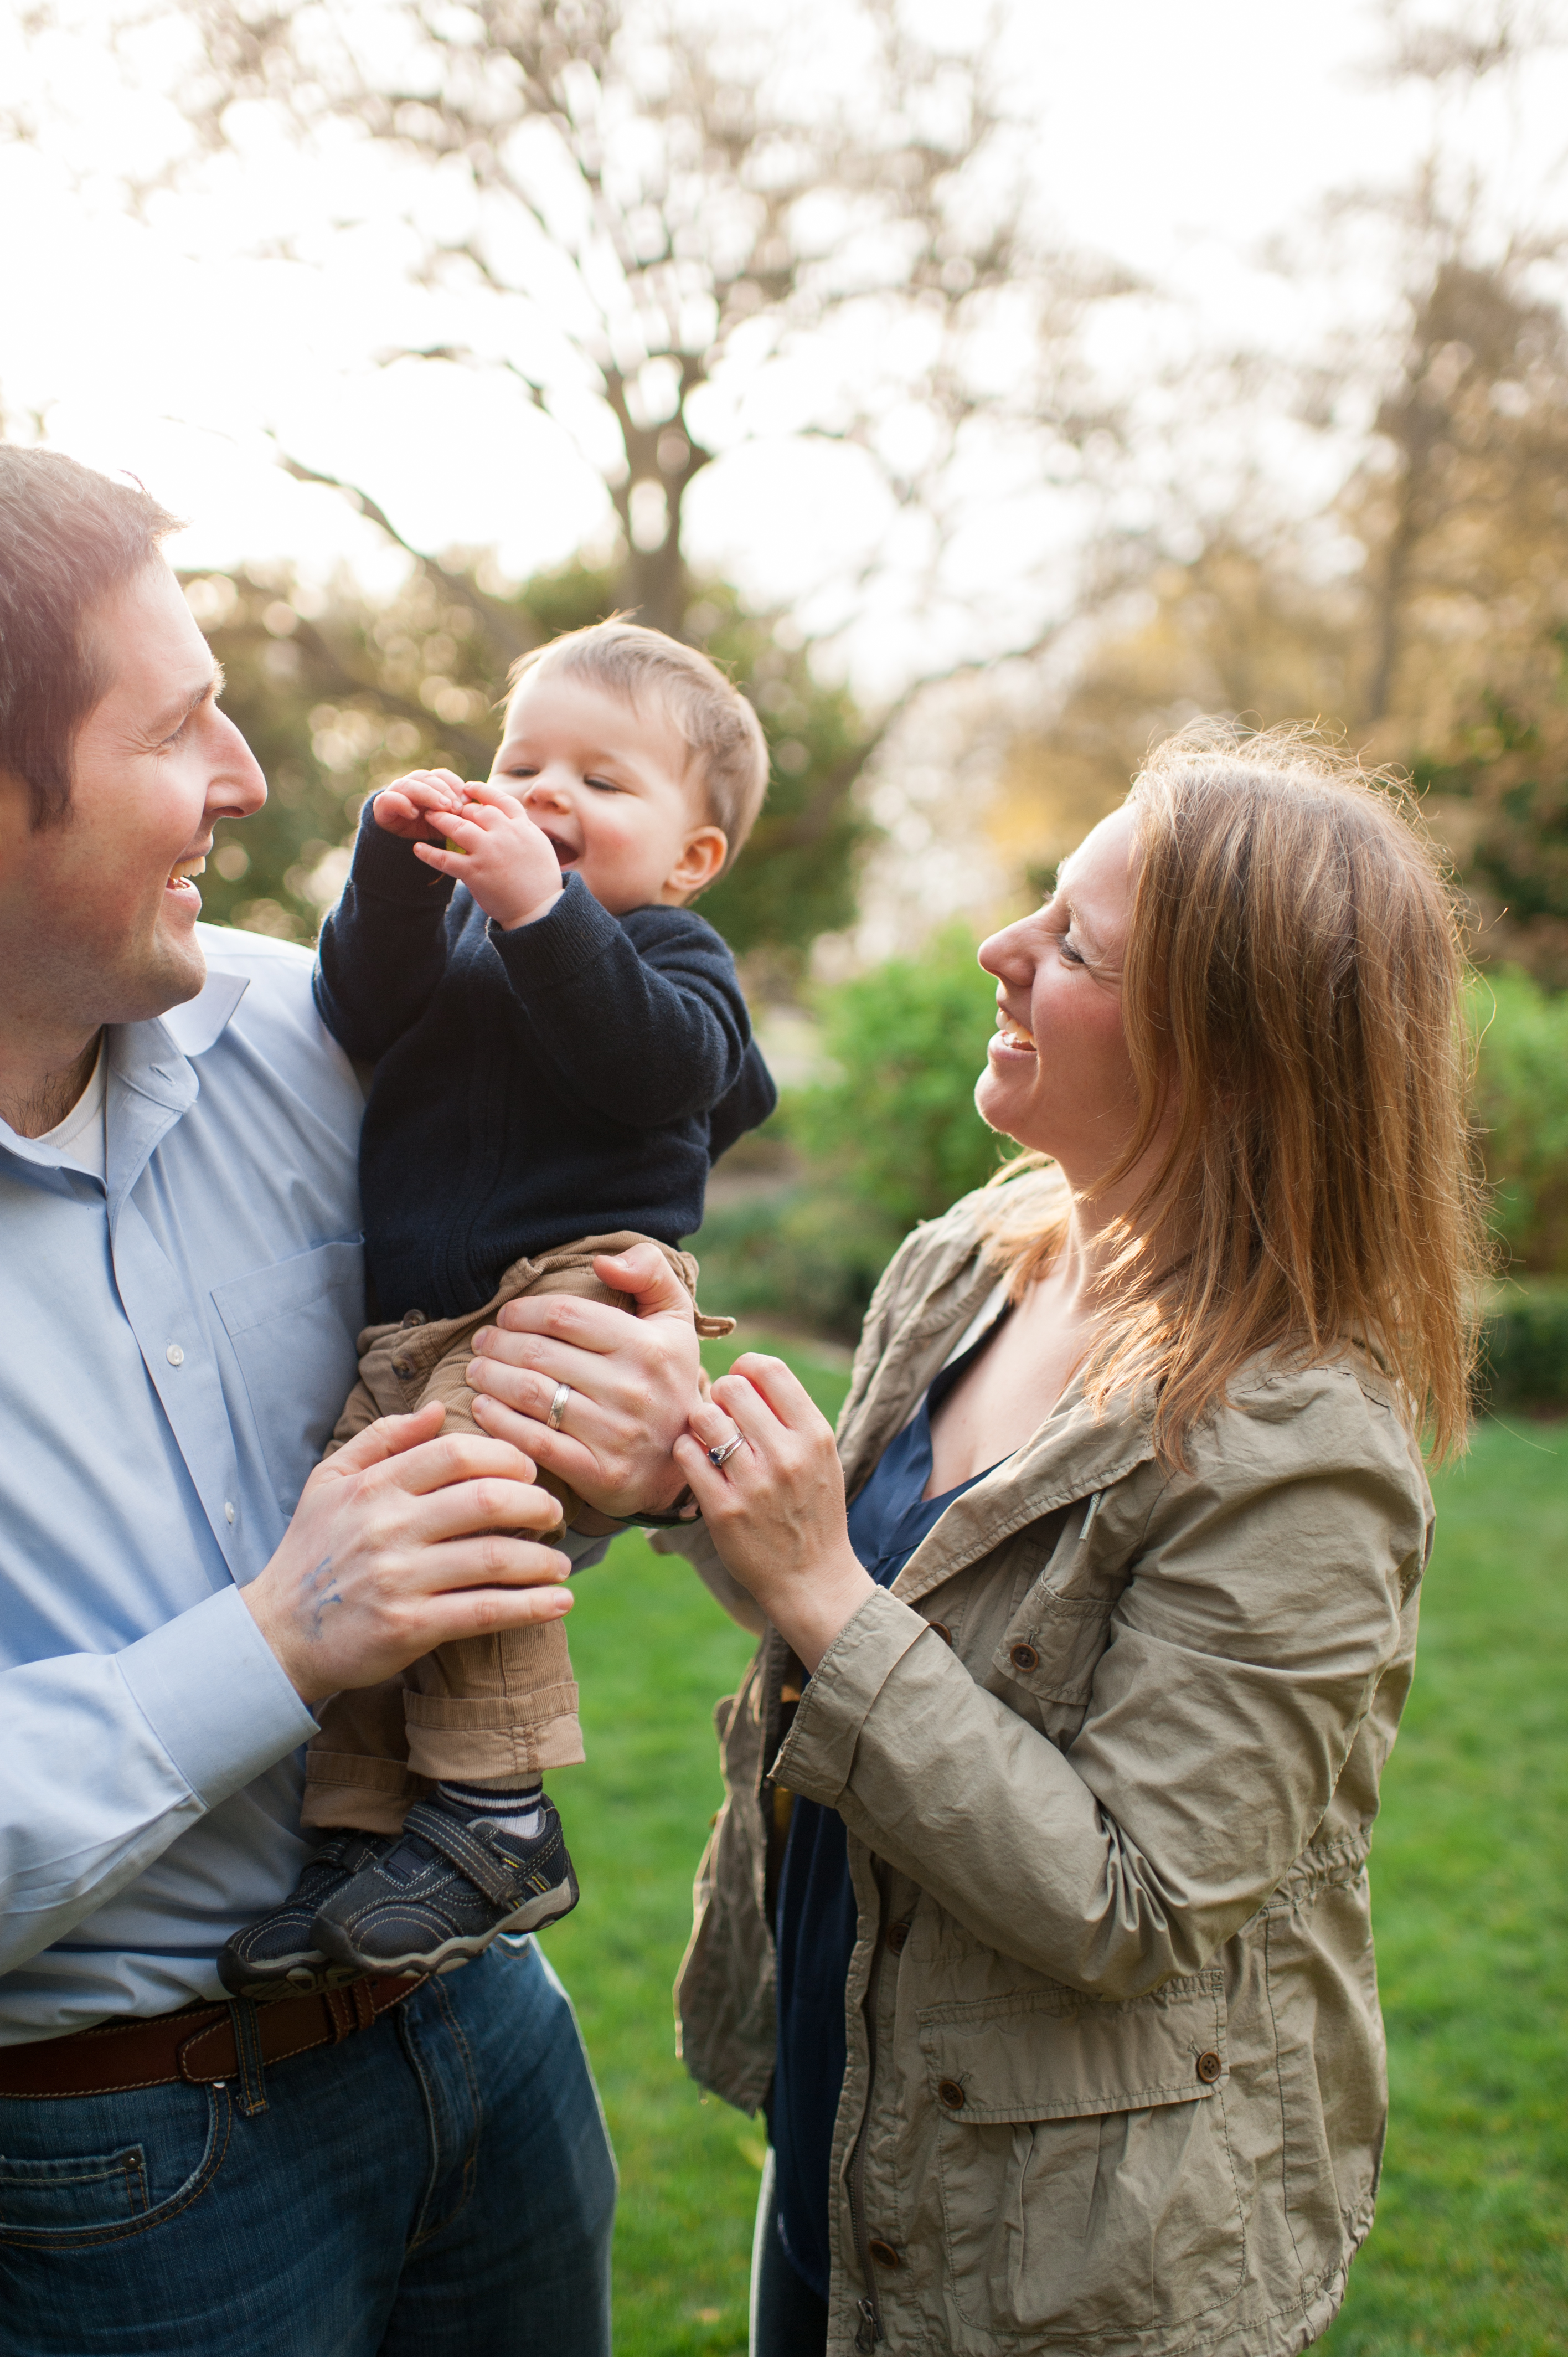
x: 493, y: 846
x: 413, y: 807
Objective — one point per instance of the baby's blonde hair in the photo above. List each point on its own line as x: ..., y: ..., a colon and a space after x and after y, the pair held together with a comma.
x: 720, y: 731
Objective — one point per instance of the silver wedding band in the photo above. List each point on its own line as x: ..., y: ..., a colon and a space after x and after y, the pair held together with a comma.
x: 558, y: 1406
x: 721, y: 1455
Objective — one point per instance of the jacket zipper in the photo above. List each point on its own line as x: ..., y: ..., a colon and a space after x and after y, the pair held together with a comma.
x: 870, y: 2330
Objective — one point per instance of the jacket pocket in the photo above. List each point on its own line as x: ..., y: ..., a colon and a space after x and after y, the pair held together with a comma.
x: 1086, y: 2177
x: 293, y: 1330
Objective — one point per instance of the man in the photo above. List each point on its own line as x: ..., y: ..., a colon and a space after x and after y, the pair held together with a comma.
x: 401, y: 2167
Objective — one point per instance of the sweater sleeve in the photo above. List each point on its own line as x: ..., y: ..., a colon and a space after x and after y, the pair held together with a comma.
x: 383, y: 947
x: 643, y: 1017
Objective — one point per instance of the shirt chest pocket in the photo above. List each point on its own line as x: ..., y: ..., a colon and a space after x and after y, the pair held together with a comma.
x: 1055, y: 1637
x: 293, y: 1329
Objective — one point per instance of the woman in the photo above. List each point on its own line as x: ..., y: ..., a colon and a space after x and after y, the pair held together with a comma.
x: 1051, y: 1784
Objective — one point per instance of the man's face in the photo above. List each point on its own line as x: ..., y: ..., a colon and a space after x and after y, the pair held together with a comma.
x: 98, y: 915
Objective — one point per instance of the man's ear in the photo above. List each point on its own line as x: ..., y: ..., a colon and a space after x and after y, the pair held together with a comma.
x: 702, y: 856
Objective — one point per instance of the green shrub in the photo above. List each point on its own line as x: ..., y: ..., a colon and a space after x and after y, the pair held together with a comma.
x: 1524, y: 1348
x: 1521, y: 1103
x: 803, y: 1255
x: 894, y: 1130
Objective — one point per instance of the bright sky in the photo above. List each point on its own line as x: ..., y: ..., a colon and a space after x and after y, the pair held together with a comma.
x: 1176, y: 139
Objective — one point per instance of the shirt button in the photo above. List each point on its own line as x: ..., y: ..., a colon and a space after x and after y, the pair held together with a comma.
x: 1024, y: 1657
x: 883, y: 2253
x: 1209, y: 2068
x: 228, y: 1509
x: 175, y: 1355
x: 949, y: 2093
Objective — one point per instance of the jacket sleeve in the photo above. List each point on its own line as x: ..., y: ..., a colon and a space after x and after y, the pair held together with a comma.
x: 111, y: 1756
x: 383, y: 948
x: 1263, y: 1608
x: 644, y: 1020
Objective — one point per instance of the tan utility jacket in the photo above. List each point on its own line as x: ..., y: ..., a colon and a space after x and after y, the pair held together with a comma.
x: 1107, y: 1753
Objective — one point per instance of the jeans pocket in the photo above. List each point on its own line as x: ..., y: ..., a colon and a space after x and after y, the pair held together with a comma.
x: 95, y: 2188
x: 54, y: 2201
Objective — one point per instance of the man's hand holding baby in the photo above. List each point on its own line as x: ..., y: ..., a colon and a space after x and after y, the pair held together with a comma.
x: 481, y: 836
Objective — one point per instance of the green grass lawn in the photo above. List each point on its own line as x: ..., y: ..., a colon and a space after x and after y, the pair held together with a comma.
x: 1470, y: 2251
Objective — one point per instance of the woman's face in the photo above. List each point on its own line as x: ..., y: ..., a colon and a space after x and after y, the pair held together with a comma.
x: 1057, y: 1076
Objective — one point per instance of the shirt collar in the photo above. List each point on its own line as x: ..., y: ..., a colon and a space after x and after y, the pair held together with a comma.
x: 150, y: 1058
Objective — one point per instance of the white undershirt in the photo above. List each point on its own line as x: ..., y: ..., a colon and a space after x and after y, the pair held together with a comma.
x: 79, y: 1138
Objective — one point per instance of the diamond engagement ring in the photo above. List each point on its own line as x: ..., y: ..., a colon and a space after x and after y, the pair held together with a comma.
x: 558, y: 1406
x: 725, y: 1450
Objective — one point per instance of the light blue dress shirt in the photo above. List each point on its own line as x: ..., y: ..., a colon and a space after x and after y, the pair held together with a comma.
x: 177, y: 1344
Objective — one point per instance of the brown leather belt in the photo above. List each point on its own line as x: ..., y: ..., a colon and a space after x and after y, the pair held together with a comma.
x: 200, y: 2045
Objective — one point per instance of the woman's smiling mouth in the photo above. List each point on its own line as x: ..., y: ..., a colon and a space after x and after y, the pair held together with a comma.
x: 1011, y: 1037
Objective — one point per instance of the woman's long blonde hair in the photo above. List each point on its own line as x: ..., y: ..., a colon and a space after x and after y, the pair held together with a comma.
x: 1292, y: 975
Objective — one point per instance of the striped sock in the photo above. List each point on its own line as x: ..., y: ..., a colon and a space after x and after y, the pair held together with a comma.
x: 510, y: 1807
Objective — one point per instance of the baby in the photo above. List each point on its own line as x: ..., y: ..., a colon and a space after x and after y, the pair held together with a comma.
x: 562, y: 1050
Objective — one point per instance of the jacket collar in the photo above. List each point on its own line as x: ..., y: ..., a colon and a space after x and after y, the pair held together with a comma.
x: 1074, y: 1454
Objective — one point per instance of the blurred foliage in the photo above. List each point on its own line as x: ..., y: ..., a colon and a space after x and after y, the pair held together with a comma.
x: 1424, y: 614
x: 1521, y: 1106
x: 336, y: 696
x: 887, y: 1135
x: 1524, y: 1348
x: 894, y: 1129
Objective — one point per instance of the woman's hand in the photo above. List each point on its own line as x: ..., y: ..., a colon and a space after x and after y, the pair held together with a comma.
x: 775, y: 1509
x: 632, y: 1382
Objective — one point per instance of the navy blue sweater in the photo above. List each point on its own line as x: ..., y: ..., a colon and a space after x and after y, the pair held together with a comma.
x: 574, y: 1076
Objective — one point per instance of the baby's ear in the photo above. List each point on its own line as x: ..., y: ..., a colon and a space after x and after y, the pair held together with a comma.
x: 702, y: 854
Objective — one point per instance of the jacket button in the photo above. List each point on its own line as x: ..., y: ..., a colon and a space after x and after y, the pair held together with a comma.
x: 949, y: 2093
x: 940, y: 1629
x: 883, y: 2253
x: 1209, y: 2068
x: 896, y: 1935
x: 1024, y: 1657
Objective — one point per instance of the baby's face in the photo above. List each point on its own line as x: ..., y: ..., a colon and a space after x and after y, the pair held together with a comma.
x: 608, y: 786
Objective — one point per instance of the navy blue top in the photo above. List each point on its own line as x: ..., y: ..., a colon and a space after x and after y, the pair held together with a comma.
x: 567, y: 1079
x: 816, y: 1914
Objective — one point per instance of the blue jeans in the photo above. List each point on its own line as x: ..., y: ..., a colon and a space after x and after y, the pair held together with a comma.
x: 440, y: 2185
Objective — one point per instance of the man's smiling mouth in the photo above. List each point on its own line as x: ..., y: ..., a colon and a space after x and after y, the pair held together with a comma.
x: 185, y: 871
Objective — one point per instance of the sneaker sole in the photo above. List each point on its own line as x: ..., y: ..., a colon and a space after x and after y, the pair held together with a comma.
x: 307, y: 1974
x: 534, y: 1915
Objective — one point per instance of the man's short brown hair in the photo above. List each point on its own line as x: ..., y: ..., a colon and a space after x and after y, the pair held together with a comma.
x: 723, y: 734
x: 68, y: 539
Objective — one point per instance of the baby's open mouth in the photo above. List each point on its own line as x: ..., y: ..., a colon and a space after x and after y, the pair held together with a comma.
x: 565, y: 854
x: 185, y: 871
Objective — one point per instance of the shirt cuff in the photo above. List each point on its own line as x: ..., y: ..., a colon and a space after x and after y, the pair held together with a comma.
x: 215, y: 1695
x: 385, y: 866
x: 557, y: 947
x: 818, y: 1754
